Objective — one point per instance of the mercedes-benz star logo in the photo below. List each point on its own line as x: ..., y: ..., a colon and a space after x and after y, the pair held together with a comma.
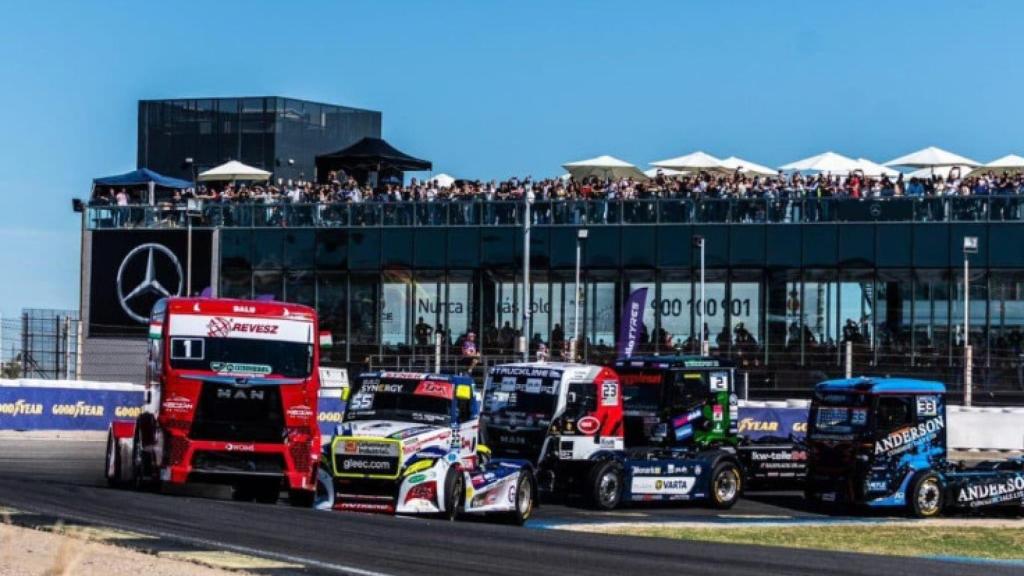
x: 149, y: 284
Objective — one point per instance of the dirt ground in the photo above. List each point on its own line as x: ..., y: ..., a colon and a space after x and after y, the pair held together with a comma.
x: 26, y: 552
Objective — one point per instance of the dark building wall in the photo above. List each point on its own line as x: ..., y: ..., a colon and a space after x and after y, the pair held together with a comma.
x: 265, y: 132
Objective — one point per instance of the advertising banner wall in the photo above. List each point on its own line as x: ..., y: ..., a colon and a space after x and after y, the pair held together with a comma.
x: 129, y: 270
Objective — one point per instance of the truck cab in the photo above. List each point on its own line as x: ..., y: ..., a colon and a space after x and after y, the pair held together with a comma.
x: 881, y: 443
x: 408, y: 444
x: 609, y: 436
x: 678, y: 401
x: 230, y: 397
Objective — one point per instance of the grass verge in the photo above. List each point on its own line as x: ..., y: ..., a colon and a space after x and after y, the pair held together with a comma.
x: 974, y: 542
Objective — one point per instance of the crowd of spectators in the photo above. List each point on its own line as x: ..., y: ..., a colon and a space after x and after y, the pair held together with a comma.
x: 343, y: 189
x: 551, y: 194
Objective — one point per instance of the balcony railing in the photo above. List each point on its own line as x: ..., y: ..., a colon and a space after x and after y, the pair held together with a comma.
x: 562, y: 212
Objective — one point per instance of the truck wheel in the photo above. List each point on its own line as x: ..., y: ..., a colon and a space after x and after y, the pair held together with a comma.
x: 454, y: 492
x: 324, y: 495
x: 926, y: 496
x: 726, y: 483
x: 142, y: 475
x: 605, y: 485
x: 268, y: 492
x: 113, y: 462
x: 243, y: 493
x: 524, y: 500
x: 302, y: 498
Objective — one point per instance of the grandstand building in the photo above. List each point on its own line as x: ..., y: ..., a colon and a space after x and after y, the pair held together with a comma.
x: 787, y: 284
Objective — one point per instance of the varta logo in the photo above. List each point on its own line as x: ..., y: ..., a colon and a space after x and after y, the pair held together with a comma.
x: 751, y: 425
x: 240, y: 394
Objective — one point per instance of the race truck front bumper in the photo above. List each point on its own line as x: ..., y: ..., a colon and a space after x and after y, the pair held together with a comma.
x: 366, y: 474
x: 227, y: 462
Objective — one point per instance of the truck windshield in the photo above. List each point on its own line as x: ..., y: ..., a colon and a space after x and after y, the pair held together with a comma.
x: 242, y: 356
x: 641, y: 389
x: 403, y: 401
x: 529, y: 396
x: 839, y: 414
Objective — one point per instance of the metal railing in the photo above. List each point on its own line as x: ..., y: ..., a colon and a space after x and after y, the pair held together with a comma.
x: 563, y: 212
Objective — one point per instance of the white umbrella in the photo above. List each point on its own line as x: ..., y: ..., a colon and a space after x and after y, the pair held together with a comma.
x: 876, y: 170
x: 233, y: 170
x: 939, y: 171
x: 734, y: 163
x: 443, y: 180
x: 825, y: 162
x: 931, y: 157
x: 653, y: 172
x: 603, y: 167
x: 1009, y: 164
x: 693, y: 162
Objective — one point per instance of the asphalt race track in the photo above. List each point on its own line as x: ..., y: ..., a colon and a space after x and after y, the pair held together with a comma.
x: 64, y: 480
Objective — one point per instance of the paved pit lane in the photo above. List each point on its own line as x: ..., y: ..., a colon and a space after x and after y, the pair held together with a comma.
x: 44, y: 479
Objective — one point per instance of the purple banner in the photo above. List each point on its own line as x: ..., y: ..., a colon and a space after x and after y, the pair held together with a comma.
x: 632, y: 322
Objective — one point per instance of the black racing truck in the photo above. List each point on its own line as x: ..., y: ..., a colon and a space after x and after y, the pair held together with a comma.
x: 654, y: 429
x: 880, y: 443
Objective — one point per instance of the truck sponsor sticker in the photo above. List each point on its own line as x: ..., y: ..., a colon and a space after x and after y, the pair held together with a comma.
x: 240, y: 368
x: 992, y: 492
x: 663, y: 485
x: 242, y: 327
x: 588, y: 425
x: 904, y: 438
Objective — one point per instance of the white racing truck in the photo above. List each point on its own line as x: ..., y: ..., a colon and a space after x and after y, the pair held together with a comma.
x: 408, y: 445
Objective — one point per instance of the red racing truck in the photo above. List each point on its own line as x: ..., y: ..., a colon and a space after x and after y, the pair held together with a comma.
x: 230, y: 398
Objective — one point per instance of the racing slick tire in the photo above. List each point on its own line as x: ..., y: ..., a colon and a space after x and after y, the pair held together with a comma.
x: 302, y: 498
x: 324, y: 495
x: 112, y: 468
x: 268, y: 492
x: 604, y: 485
x: 243, y: 492
x: 926, y: 498
x: 143, y: 477
x: 524, y: 501
x: 454, y: 492
x: 726, y: 485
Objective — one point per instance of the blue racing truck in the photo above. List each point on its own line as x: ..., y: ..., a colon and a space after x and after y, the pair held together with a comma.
x: 881, y: 443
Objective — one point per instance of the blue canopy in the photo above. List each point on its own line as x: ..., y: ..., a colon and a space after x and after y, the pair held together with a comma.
x: 142, y: 177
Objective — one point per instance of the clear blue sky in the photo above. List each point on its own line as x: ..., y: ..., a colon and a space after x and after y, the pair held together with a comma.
x: 489, y: 89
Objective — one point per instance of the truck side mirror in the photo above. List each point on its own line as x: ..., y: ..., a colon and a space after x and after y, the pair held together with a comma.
x: 464, y: 392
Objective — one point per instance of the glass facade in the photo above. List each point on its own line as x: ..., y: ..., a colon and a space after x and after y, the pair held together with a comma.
x: 281, y: 135
x: 782, y: 300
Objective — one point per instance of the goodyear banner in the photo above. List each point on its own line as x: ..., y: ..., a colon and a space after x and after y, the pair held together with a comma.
x: 760, y: 423
x: 29, y: 408
x: 331, y: 410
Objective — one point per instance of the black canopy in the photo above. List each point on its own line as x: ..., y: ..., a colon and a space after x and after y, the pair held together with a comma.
x: 369, y: 155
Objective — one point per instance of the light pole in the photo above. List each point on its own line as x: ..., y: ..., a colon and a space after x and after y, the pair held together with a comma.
x: 188, y: 216
x: 698, y: 242
x: 523, y: 338
x: 970, y: 247
x: 581, y: 235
